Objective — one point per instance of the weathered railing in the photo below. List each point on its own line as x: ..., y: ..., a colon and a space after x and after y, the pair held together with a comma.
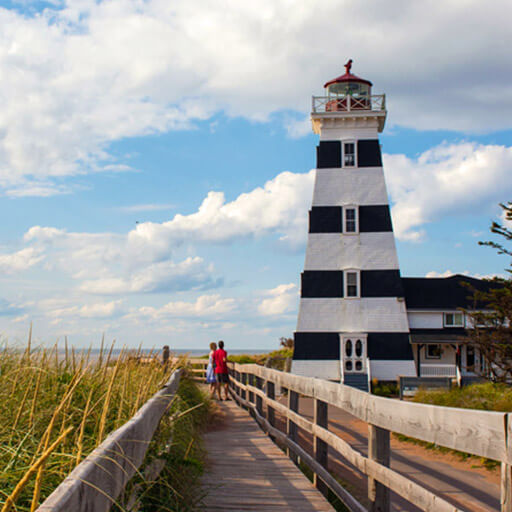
x: 481, y: 433
x: 322, y: 104
x: 196, y: 367
x: 97, y: 482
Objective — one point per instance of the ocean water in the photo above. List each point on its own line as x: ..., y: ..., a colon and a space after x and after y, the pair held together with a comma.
x: 192, y: 352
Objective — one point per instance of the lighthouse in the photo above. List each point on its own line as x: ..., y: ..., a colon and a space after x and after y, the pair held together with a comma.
x: 352, y: 324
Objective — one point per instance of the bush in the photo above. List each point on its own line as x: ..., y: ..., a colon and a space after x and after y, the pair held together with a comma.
x: 389, y: 389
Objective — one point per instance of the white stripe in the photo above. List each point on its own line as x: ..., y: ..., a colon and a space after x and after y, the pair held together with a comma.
x: 386, y: 314
x: 366, y: 251
x: 361, y: 186
x: 329, y: 370
x: 391, y: 370
x: 347, y: 132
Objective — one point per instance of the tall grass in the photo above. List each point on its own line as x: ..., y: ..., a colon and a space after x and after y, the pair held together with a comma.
x: 56, y: 408
x: 178, y: 449
x: 488, y: 396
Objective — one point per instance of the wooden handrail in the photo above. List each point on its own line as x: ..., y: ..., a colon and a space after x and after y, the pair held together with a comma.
x: 481, y: 433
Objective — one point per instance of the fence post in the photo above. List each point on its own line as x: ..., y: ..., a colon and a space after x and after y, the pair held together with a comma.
x: 321, y: 419
x: 506, y: 487
x: 243, y: 380
x: 291, y: 428
x: 506, y: 471
x: 259, y: 400
x: 379, y: 451
x: 271, y: 393
x: 251, y: 383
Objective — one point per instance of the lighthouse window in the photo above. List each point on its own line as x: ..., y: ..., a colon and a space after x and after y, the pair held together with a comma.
x: 351, y: 284
x: 349, y: 154
x: 350, y: 220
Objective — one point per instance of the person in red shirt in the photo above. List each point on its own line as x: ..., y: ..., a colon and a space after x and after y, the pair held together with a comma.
x: 220, y: 357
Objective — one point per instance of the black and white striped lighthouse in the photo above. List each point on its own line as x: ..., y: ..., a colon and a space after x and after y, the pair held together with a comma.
x: 352, y: 323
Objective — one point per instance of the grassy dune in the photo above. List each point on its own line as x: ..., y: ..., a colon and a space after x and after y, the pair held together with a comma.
x: 56, y: 409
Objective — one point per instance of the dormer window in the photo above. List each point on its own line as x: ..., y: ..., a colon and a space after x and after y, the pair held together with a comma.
x: 349, y: 154
x: 453, y: 320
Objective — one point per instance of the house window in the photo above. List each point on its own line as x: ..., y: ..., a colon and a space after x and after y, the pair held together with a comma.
x: 453, y: 320
x: 433, y: 351
x: 352, y: 283
x: 350, y: 217
x: 349, y: 154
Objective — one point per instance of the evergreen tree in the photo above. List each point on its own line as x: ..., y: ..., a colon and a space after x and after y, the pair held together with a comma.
x: 490, y: 329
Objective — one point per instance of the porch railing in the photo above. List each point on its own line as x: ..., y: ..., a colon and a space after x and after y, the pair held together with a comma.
x: 438, y: 370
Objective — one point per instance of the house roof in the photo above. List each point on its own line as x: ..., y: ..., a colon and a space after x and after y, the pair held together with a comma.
x: 449, y: 335
x: 442, y: 292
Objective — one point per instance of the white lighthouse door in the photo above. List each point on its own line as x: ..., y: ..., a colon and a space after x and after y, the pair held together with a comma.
x: 353, y: 352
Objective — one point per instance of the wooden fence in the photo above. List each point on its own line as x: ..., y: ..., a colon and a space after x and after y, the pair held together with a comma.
x: 196, y: 367
x: 481, y: 433
x: 96, y: 483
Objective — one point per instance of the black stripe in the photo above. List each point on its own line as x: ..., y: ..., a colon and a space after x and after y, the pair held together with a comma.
x: 383, y: 346
x: 329, y: 283
x: 368, y: 153
x: 322, y: 283
x: 325, y: 219
x: 328, y: 154
x: 374, y: 218
x: 381, y: 283
x: 316, y: 345
x: 388, y: 346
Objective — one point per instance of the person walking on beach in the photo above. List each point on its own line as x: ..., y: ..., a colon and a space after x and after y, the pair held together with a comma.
x: 220, y: 358
x: 210, y: 370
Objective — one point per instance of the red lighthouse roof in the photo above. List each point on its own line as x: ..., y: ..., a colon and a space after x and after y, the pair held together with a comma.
x: 347, y: 77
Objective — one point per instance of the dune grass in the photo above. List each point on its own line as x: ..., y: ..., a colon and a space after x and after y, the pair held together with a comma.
x: 177, y: 447
x: 58, y: 407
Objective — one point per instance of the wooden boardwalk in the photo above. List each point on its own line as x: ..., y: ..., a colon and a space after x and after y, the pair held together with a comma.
x: 247, y: 471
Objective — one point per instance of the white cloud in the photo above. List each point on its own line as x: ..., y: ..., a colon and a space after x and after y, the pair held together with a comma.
x: 203, y: 306
x: 95, y: 310
x: 281, y: 299
x: 144, y: 260
x: 297, y: 128
x: 20, y: 260
x: 78, y: 77
x: 189, y: 274
x: 449, y: 179
x: 280, y: 206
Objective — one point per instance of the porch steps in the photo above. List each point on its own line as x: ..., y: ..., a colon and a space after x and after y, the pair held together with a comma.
x: 356, y: 380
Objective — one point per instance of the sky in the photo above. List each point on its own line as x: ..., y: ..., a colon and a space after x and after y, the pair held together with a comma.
x: 156, y: 156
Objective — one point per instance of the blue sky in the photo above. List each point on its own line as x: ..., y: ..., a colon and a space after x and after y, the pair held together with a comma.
x: 156, y: 157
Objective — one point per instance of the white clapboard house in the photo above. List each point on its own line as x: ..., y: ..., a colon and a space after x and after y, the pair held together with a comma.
x: 358, y: 318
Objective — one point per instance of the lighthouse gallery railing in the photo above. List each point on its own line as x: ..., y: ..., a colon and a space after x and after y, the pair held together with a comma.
x: 323, y: 104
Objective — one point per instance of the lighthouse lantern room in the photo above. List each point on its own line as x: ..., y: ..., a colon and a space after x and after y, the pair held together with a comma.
x: 352, y: 322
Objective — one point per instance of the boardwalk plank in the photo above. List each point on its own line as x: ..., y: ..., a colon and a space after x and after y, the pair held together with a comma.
x: 248, y: 472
